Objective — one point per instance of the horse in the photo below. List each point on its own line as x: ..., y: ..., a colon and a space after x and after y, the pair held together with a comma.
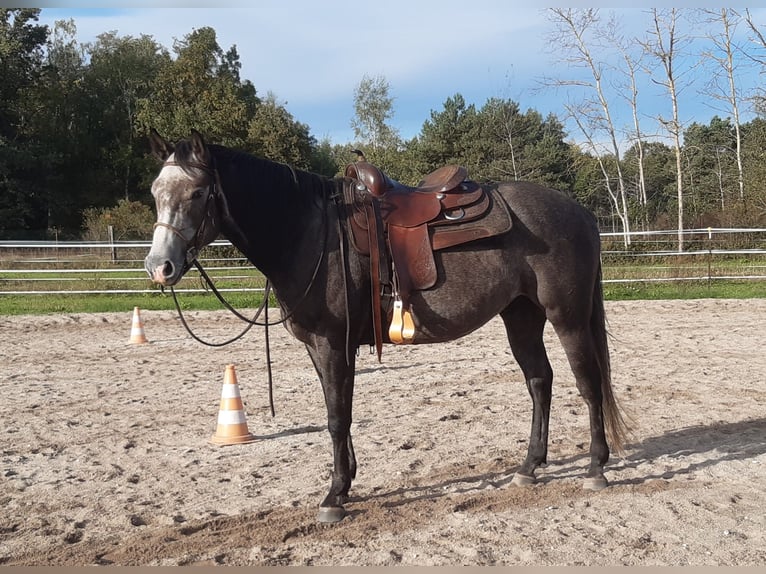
x: 290, y: 225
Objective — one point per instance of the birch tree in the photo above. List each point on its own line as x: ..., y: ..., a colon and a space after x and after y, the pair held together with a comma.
x: 723, y: 85
x: 663, y: 44
x: 593, y: 116
x: 373, y: 110
x: 629, y: 92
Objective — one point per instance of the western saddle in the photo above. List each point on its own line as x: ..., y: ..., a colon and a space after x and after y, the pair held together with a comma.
x: 399, y: 228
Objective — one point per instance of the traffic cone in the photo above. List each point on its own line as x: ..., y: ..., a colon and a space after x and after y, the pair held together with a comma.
x: 137, y: 328
x: 232, y: 424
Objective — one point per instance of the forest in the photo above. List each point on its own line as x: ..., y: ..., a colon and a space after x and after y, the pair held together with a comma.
x: 74, y: 120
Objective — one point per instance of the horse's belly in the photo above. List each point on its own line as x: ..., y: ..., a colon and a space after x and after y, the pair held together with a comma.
x: 472, y: 288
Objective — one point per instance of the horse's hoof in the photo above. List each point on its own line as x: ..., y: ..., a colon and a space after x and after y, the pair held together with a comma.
x: 523, y: 480
x: 595, y: 483
x: 331, y: 514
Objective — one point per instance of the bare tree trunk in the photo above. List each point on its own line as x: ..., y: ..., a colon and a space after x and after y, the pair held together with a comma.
x: 719, y: 176
x: 663, y: 47
x: 613, y: 196
x: 724, y: 60
x: 574, y: 25
x: 631, y: 66
x: 760, y: 42
x: 508, y: 125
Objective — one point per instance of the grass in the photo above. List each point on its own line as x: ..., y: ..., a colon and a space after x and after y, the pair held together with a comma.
x: 684, y: 290
x: 102, y: 280
x: 656, y: 279
x: 75, y: 303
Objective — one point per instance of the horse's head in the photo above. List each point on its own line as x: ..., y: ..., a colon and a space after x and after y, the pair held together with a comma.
x: 185, y: 192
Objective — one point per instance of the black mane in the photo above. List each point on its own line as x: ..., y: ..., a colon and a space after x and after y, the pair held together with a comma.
x: 268, y: 173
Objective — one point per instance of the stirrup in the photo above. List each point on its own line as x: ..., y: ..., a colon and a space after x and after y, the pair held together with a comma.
x: 402, y: 328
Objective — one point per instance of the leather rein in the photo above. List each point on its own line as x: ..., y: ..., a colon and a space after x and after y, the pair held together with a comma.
x: 194, y: 245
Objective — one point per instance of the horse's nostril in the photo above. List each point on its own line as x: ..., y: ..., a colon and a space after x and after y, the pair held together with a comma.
x: 167, y: 269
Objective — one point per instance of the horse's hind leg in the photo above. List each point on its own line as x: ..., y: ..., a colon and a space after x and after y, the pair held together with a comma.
x: 525, y: 323
x: 581, y: 352
x: 337, y: 380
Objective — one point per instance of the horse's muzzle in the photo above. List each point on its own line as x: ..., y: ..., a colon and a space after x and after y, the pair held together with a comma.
x: 163, y: 272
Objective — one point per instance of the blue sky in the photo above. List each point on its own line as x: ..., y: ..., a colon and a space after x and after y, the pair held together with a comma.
x: 313, y: 54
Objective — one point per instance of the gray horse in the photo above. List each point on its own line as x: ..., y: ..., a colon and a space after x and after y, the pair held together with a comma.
x: 289, y: 225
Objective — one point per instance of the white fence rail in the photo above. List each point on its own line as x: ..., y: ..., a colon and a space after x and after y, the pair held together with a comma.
x: 33, y: 267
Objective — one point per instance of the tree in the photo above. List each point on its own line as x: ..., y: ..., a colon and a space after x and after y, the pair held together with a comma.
x: 122, y: 70
x: 723, y: 79
x: 200, y: 90
x: 273, y: 133
x: 68, y: 125
x: 22, y: 190
x: 664, y: 45
x: 507, y: 127
x: 507, y: 144
x: 373, y: 109
x: 593, y: 115
x: 627, y: 87
x: 756, y: 54
x: 709, y: 153
x: 754, y: 159
x: 328, y: 159
x: 129, y: 220
x: 659, y: 174
x: 494, y: 143
x: 441, y: 138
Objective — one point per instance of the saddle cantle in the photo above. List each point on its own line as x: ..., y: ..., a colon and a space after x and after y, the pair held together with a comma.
x: 400, y: 227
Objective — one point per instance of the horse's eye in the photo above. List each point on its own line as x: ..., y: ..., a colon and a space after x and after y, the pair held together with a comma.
x: 196, y: 194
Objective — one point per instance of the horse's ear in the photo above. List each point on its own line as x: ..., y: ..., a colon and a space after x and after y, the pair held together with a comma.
x: 161, y: 148
x: 199, y: 149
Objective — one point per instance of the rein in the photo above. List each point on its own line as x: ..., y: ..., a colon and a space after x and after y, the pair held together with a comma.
x: 264, y: 308
x: 191, y: 259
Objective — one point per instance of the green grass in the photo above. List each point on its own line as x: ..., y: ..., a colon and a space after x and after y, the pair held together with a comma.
x: 10, y: 304
x: 50, y: 304
x: 701, y: 289
x: 105, y: 277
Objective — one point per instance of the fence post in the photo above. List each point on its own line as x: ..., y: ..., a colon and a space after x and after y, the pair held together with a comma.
x: 709, y: 257
x: 112, y: 246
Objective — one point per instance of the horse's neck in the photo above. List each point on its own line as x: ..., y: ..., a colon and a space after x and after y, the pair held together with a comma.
x: 278, y: 226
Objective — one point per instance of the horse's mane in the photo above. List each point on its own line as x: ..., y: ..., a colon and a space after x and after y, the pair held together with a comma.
x: 270, y: 174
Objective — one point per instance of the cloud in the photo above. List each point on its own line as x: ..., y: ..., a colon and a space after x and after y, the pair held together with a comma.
x: 312, y: 54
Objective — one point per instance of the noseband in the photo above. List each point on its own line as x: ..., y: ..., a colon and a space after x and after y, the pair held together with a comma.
x: 194, y: 244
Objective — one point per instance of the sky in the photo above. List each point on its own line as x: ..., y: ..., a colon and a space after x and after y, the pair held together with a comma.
x: 312, y: 54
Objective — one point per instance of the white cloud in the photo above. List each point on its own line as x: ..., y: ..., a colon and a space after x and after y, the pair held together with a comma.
x: 312, y: 52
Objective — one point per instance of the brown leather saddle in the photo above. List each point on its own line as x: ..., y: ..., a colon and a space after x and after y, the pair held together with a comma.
x: 400, y: 227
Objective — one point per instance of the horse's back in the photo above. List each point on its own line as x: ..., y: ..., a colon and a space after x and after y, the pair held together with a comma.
x: 551, y: 255
x: 545, y: 211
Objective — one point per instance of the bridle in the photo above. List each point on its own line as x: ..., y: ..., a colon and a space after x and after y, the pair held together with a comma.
x: 194, y: 245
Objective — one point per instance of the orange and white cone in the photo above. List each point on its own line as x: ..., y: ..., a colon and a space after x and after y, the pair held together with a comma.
x: 232, y: 424
x: 137, y: 334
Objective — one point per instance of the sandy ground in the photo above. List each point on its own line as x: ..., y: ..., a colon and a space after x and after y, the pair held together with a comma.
x: 105, y: 459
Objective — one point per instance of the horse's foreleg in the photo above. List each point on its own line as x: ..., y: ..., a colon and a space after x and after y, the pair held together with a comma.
x: 524, y: 323
x: 337, y: 380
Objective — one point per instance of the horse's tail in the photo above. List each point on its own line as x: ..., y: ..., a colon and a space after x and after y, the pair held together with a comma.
x: 617, y: 430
